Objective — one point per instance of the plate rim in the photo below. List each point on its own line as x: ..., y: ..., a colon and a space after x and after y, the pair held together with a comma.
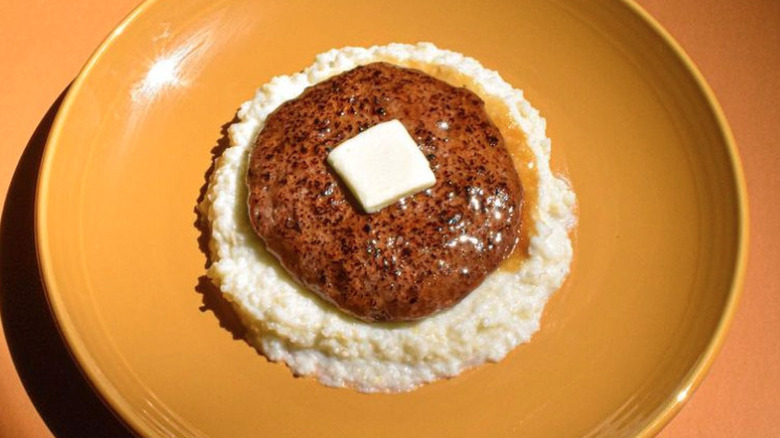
x: 695, y: 377
x: 124, y: 413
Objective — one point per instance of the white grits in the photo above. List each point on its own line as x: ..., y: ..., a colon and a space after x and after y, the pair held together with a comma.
x: 288, y: 323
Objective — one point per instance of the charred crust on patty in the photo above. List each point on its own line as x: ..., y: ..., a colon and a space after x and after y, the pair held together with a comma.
x: 410, y: 259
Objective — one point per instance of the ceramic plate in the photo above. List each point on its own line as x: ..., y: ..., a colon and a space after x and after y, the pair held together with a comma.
x: 660, y: 246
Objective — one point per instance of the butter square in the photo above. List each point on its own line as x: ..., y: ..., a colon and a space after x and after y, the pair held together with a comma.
x: 382, y: 165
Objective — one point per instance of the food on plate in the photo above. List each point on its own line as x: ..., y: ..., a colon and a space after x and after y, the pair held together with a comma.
x: 282, y: 305
x: 409, y: 259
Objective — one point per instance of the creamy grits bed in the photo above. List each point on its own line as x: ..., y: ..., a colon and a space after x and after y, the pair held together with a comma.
x: 288, y: 323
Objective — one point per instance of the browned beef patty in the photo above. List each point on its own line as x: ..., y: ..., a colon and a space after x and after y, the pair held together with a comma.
x: 415, y: 257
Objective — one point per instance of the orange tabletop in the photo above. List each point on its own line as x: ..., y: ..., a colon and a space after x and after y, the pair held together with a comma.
x: 43, y: 44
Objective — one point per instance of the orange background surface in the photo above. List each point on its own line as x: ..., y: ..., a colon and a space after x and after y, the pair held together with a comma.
x: 735, y: 44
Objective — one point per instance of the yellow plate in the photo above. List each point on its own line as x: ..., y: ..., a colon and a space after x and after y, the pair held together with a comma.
x: 660, y: 248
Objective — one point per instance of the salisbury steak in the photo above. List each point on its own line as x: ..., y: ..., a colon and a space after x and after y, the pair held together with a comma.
x: 410, y: 259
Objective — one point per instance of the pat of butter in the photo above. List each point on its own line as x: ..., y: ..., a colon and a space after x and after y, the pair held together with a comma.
x: 382, y: 165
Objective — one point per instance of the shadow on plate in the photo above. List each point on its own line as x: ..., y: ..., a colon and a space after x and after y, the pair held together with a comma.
x: 212, y: 297
x: 52, y: 379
